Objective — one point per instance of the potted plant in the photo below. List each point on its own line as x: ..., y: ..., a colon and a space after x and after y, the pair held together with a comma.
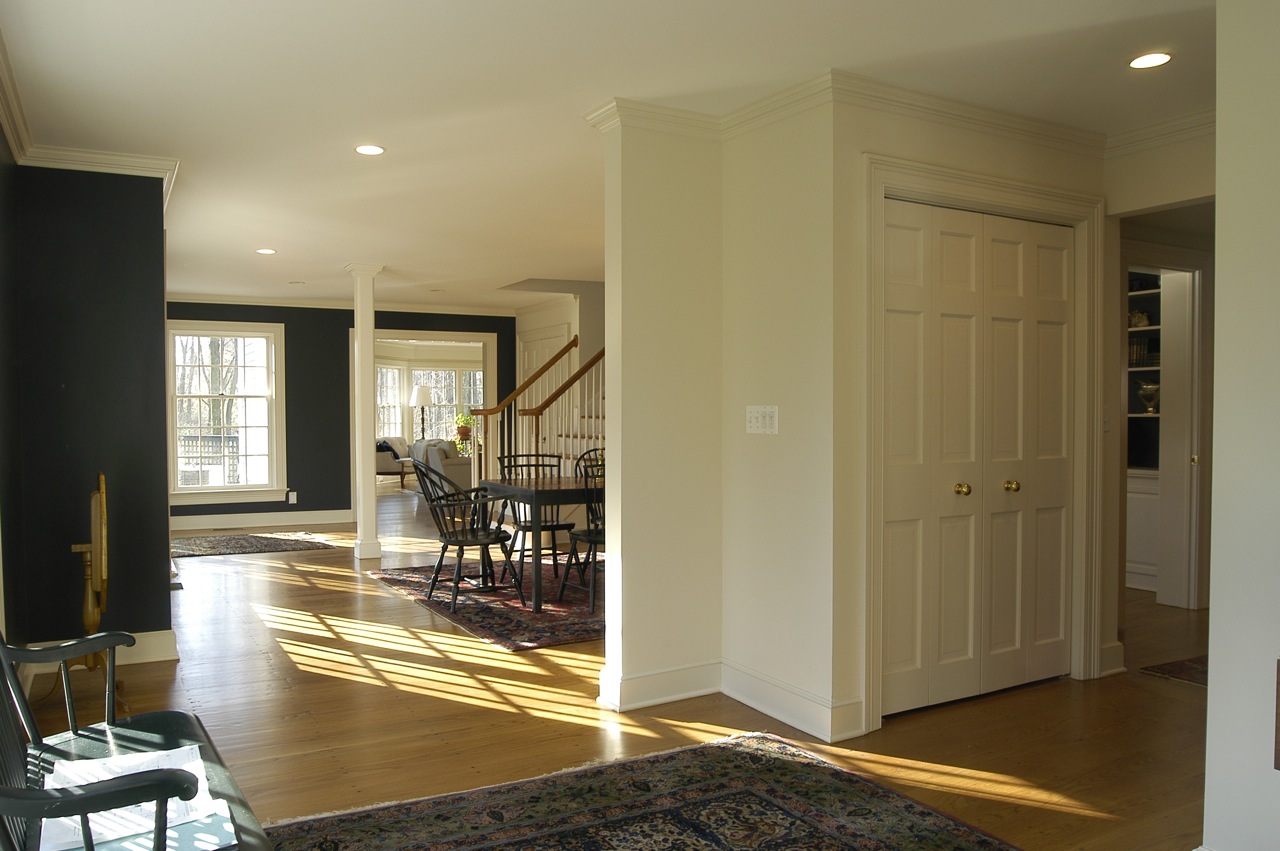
x: 464, y: 422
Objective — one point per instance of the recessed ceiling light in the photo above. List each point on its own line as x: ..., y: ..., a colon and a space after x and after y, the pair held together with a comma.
x: 1150, y: 60
x: 266, y: 251
x: 370, y: 150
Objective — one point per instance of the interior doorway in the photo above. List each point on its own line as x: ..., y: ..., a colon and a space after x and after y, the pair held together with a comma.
x: 1168, y: 465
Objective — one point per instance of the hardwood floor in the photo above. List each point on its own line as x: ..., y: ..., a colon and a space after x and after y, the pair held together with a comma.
x: 325, y: 690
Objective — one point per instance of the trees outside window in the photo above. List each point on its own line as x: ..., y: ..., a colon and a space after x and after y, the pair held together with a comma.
x: 226, y: 411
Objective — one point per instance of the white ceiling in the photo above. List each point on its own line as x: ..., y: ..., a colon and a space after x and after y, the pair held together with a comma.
x: 491, y: 175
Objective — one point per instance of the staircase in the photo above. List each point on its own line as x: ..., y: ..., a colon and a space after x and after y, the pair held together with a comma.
x: 555, y: 411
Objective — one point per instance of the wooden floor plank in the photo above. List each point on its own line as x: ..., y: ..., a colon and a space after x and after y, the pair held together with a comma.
x: 325, y: 690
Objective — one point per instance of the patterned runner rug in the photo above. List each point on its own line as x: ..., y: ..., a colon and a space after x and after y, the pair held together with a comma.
x: 1194, y: 670
x: 497, y: 616
x: 753, y: 791
x: 230, y: 545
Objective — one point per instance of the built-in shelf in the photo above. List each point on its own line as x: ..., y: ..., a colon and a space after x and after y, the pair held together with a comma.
x: 1143, y: 367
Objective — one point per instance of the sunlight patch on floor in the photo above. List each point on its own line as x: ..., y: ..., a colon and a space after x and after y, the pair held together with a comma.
x: 971, y: 783
x: 440, y: 665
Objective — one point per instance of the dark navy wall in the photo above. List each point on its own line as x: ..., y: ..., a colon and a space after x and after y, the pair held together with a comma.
x: 10, y: 453
x: 317, y: 382
x: 83, y: 308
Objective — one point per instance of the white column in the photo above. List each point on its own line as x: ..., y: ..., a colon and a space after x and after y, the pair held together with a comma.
x: 365, y: 420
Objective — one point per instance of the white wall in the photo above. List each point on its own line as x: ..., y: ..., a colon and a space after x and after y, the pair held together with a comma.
x: 662, y: 411
x: 1242, y: 787
x: 780, y: 325
x: 1157, y: 174
x: 559, y: 311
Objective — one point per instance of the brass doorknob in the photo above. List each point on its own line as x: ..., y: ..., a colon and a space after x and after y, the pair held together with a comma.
x: 963, y: 489
x: 1013, y: 486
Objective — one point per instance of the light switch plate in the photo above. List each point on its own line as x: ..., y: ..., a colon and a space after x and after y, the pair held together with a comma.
x: 762, y: 419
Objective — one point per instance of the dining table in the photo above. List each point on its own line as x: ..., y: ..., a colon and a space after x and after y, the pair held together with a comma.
x: 537, y: 492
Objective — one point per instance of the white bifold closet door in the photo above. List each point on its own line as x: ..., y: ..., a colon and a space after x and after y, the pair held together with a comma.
x: 976, y: 418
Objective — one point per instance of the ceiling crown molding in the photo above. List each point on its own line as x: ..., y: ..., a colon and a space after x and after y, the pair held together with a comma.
x: 652, y: 117
x: 1192, y: 126
x: 103, y: 161
x: 14, y: 123
x: 873, y: 94
x: 850, y: 89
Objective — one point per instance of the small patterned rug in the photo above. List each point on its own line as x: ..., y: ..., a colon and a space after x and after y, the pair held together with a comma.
x: 231, y: 545
x: 1194, y: 670
x: 751, y: 791
x: 497, y: 616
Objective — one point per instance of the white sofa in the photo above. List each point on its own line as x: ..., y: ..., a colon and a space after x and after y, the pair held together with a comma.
x: 398, y: 463
x: 442, y: 456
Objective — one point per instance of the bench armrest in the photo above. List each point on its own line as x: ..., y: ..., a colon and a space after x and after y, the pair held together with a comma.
x: 159, y: 784
x: 73, y: 649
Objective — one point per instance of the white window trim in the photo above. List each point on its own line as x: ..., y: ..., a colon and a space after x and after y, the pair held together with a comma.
x: 277, y: 489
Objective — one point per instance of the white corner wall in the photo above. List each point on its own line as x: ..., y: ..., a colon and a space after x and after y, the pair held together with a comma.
x: 780, y: 324
x: 663, y: 374
x: 1241, y: 785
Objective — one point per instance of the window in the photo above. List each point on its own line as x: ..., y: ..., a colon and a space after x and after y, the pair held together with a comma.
x: 390, y: 402
x: 227, y: 411
x: 453, y: 391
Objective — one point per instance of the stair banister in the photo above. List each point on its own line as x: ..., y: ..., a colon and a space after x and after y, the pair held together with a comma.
x: 482, y: 465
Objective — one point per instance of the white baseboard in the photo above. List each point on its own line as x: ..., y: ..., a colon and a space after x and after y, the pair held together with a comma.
x: 651, y: 688
x: 151, y: 647
x: 257, y: 521
x: 1112, y: 659
x: 829, y: 721
x: 1140, y: 576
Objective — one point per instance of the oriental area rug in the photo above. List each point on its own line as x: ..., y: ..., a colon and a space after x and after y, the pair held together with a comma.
x: 497, y: 616
x: 1194, y: 670
x: 752, y: 791
x: 231, y: 545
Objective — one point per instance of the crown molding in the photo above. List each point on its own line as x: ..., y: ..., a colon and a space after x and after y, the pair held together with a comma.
x: 854, y: 90
x: 103, y: 161
x: 849, y: 89
x: 333, y: 304
x: 780, y: 105
x: 653, y: 117
x: 1194, y: 126
x: 12, y: 120
x: 25, y: 152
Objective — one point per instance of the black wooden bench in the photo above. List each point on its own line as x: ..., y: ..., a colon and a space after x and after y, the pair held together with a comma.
x: 26, y: 757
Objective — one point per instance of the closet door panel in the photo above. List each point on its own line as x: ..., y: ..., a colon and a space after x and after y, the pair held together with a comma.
x: 905, y: 680
x: 956, y: 317
x: 1006, y: 389
x: 955, y: 667
x: 1047, y: 481
x: 908, y: 533
x: 1003, y: 646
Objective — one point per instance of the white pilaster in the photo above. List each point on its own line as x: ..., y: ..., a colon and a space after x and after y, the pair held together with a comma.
x: 365, y: 419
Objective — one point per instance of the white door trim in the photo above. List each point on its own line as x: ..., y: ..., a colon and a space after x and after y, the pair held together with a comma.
x: 888, y: 177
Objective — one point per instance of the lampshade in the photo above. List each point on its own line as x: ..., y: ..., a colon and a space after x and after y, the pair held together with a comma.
x: 420, y: 397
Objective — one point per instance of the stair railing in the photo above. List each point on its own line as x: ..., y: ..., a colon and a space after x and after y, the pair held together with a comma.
x: 571, y: 419
x: 498, y: 430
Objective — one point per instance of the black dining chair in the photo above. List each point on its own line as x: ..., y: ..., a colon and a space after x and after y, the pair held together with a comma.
x: 465, y: 518
x: 589, y: 469
x: 532, y: 466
